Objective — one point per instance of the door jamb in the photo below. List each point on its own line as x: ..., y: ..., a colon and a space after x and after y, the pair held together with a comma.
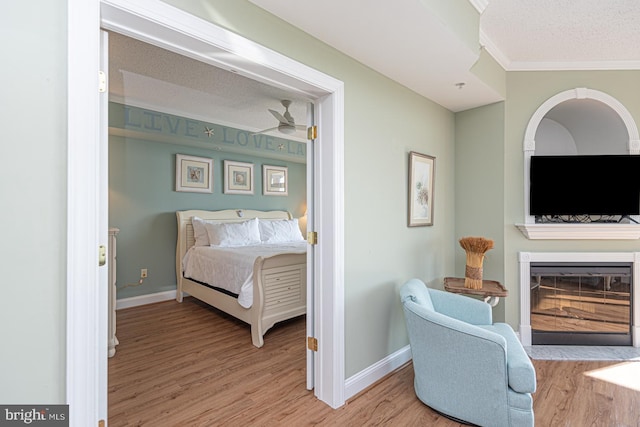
x: 139, y: 18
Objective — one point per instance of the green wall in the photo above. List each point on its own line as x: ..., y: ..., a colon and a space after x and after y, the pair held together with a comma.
x: 33, y: 191
x: 383, y: 122
x: 479, y: 189
x: 526, y: 92
x: 493, y: 135
x: 143, y: 204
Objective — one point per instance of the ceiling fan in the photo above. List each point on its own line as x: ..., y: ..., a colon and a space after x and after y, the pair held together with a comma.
x: 286, y: 123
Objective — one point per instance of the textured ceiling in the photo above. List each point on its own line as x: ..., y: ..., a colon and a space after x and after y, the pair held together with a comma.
x: 564, y: 34
x: 394, y: 38
x: 402, y: 40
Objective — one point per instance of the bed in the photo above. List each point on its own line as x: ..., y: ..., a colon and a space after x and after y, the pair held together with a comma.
x: 278, y: 284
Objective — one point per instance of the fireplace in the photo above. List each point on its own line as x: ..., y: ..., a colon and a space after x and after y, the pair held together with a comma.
x: 579, y: 298
x: 580, y: 303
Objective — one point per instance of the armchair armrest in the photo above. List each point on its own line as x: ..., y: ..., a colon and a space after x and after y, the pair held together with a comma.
x: 462, y: 308
x: 522, y: 374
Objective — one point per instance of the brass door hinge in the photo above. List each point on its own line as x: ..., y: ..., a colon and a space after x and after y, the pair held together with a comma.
x: 101, y: 423
x: 312, y: 132
x: 312, y: 343
x: 102, y: 81
x: 102, y: 255
x: 312, y: 237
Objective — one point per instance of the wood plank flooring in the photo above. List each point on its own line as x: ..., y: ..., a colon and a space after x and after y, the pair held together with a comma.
x: 191, y: 365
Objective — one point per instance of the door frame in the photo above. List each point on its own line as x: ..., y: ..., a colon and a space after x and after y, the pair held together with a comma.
x: 166, y: 26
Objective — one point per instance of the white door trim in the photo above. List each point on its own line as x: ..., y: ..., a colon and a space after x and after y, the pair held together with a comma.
x: 163, y: 25
x: 83, y: 346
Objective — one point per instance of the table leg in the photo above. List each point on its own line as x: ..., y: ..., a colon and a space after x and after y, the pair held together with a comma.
x: 492, y: 301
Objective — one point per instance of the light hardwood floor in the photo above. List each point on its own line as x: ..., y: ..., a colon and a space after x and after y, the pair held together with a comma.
x: 191, y: 365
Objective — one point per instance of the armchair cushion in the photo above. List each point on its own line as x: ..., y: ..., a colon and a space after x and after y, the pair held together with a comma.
x: 522, y: 376
x: 465, y: 309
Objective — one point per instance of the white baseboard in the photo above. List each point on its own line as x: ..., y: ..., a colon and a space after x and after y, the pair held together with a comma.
x: 368, y: 376
x: 145, y: 299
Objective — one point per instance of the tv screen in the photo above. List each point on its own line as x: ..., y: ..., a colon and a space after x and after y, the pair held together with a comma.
x: 585, y: 185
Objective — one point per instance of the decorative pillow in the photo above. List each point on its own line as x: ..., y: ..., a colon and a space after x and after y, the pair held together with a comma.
x: 234, y: 233
x: 279, y: 231
x: 200, y: 232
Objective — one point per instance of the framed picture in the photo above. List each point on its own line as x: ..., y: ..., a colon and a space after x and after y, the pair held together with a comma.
x: 421, y: 175
x: 238, y: 177
x: 194, y: 174
x: 275, y: 180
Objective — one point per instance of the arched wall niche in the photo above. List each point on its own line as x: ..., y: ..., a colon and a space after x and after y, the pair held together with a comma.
x: 541, y: 121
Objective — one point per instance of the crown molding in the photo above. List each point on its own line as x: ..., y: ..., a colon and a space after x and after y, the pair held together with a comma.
x: 487, y: 44
x: 508, y: 65
x: 573, y: 66
x: 480, y: 5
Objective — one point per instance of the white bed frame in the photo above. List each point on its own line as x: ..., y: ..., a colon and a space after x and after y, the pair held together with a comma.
x: 279, y: 281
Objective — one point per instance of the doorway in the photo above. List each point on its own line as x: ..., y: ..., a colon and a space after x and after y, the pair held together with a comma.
x: 149, y: 20
x: 162, y: 103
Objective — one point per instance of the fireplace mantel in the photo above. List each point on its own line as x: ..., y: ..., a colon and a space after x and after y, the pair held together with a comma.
x: 580, y: 231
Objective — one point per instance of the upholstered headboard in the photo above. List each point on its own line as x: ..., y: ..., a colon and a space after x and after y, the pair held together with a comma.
x: 186, y: 238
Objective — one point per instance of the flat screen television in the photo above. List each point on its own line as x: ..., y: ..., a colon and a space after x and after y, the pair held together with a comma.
x: 585, y: 185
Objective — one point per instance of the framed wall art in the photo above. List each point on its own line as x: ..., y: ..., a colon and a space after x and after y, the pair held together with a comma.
x: 194, y: 174
x: 275, y: 180
x: 421, y: 176
x: 238, y: 177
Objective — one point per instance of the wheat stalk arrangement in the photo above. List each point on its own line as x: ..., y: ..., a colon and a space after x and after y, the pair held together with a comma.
x: 475, y: 247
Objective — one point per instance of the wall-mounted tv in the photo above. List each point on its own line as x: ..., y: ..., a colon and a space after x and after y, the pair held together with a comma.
x: 585, y: 185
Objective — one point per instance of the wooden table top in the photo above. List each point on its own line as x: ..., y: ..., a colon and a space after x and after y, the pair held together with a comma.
x: 490, y: 288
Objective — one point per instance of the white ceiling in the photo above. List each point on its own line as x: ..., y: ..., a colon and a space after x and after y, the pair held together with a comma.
x: 402, y: 40
x: 150, y: 77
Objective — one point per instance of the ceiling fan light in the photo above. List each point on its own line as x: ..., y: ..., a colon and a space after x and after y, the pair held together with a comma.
x: 288, y: 129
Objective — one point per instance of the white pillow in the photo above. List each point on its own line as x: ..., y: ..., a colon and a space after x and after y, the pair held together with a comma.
x: 279, y: 231
x: 200, y: 232
x: 234, y: 233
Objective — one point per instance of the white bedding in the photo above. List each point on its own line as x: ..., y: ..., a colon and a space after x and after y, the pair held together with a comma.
x: 231, y: 268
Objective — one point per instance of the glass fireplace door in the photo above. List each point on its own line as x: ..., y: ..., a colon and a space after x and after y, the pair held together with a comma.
x: 581, y: 304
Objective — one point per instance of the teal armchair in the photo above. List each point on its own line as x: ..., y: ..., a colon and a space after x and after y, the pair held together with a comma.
x: 466, y: 367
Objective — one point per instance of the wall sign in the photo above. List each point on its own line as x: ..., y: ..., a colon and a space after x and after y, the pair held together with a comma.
x: 156, y: 125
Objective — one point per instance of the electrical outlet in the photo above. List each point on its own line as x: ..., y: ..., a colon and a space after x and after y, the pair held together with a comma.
x: 143, y: 273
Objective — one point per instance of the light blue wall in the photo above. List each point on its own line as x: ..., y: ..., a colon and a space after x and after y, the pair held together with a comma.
x: 33, y: 190
x: 143, y: 202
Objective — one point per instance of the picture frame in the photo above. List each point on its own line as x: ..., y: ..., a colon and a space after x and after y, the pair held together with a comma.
x: 275, y: 180
x: 194, y: 174
x: 421, y: 189
x: 238, y: 177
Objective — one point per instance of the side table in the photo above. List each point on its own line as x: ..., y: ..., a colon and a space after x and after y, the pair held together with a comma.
x: 491, y: 290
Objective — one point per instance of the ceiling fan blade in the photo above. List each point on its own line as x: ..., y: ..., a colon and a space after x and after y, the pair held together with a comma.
x: 279, y: 116
x: 264, y: 131
x: 301, y: 127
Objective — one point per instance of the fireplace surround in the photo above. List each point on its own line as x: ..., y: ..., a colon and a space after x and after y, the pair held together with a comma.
x: 582, y: 260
